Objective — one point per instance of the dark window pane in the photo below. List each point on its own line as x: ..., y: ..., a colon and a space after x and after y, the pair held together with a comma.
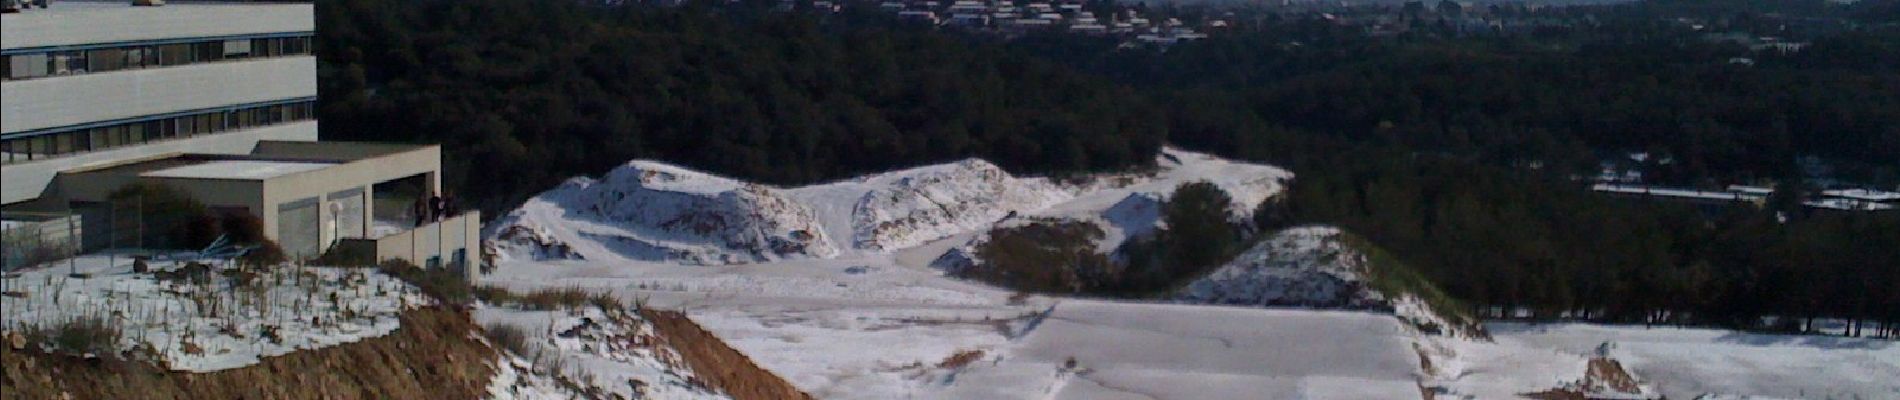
x: 103, y: 60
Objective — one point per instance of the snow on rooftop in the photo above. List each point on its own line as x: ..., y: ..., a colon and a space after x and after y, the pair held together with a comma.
x: 1863, y: 194
x: 237, y: 169
x: 1675, y: 192
x: 1848, y: 204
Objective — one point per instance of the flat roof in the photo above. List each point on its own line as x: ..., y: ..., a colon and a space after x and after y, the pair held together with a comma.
x: 330, y: 151
x: 237, y: 169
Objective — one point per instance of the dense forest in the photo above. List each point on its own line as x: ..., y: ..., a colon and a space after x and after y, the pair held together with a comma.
x: 1456, y: 153
x: 1461, y: 155
x: 526, y: 94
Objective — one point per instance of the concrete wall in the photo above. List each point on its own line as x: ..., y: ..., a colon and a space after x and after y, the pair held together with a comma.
x: 29, y: 180
x: 69, y: 23
x: 361, y: 174
x: 72, y: 100
x: 440, y: 239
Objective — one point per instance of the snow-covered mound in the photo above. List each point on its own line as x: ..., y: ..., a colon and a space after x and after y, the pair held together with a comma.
x: 923, y: 204
x: 1315, y: 266
x: 656, y: 212
x: 905, y: 208
x: 651, y: 211
x: 1129, y: 205
x: 1305, y: 266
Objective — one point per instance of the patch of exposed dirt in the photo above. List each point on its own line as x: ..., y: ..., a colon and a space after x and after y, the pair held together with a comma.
x: 719, y: 366
x: 1610, y: 374
x: 1557, y: 394
x: 960, y: 359
x: 1604, y: 378
x: 432, y: 356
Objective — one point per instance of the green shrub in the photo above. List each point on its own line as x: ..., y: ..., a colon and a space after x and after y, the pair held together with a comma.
x: 1044, y: 256
x: 1197, y: 238
x: 1392, y: 278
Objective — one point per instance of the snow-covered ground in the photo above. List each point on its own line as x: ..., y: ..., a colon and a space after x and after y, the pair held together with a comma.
x: 1687, y: 363
x: 885, y: 330
x: 216, y: 323
x: 876, y: 320
x: 616, y: 355
x: 1174, y: 351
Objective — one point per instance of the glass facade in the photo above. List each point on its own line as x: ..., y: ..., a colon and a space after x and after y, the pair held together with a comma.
x: 104, y: 59
x: 40, y: 146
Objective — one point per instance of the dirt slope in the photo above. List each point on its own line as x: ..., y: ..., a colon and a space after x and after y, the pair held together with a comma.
x: 722, y: 367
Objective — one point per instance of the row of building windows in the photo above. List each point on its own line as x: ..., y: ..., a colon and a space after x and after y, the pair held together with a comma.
x: 47, y: 146
x: 69, y: 62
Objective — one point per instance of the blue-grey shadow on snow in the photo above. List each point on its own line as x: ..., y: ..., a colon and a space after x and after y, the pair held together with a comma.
x: 1815, y: 341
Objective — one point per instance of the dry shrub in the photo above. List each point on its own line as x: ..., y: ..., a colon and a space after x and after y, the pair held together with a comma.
x: 78, y: 336
x: 441, y: 284
x: 266, y: 255
x: 508, y: 337
x: 554, y: 299
x: 547, y: 299
x: 493, y: 294
x: 960, y: 359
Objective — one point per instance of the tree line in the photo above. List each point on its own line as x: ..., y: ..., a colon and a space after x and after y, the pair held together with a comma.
x: 526, y: 94
x: 1466, y: 158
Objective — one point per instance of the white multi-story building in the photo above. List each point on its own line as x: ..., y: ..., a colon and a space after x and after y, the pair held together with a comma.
x: 88, y: 82
x: 215, y: 100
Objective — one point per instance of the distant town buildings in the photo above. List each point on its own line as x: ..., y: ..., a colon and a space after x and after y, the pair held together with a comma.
x: 1623, y: 176
x: 1007, y: 17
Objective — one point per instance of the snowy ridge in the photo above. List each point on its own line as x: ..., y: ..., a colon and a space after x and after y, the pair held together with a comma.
x: 1313, y: 266
x: 650, y: 211
x: 930, y: 203
x: 1305, y: 266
